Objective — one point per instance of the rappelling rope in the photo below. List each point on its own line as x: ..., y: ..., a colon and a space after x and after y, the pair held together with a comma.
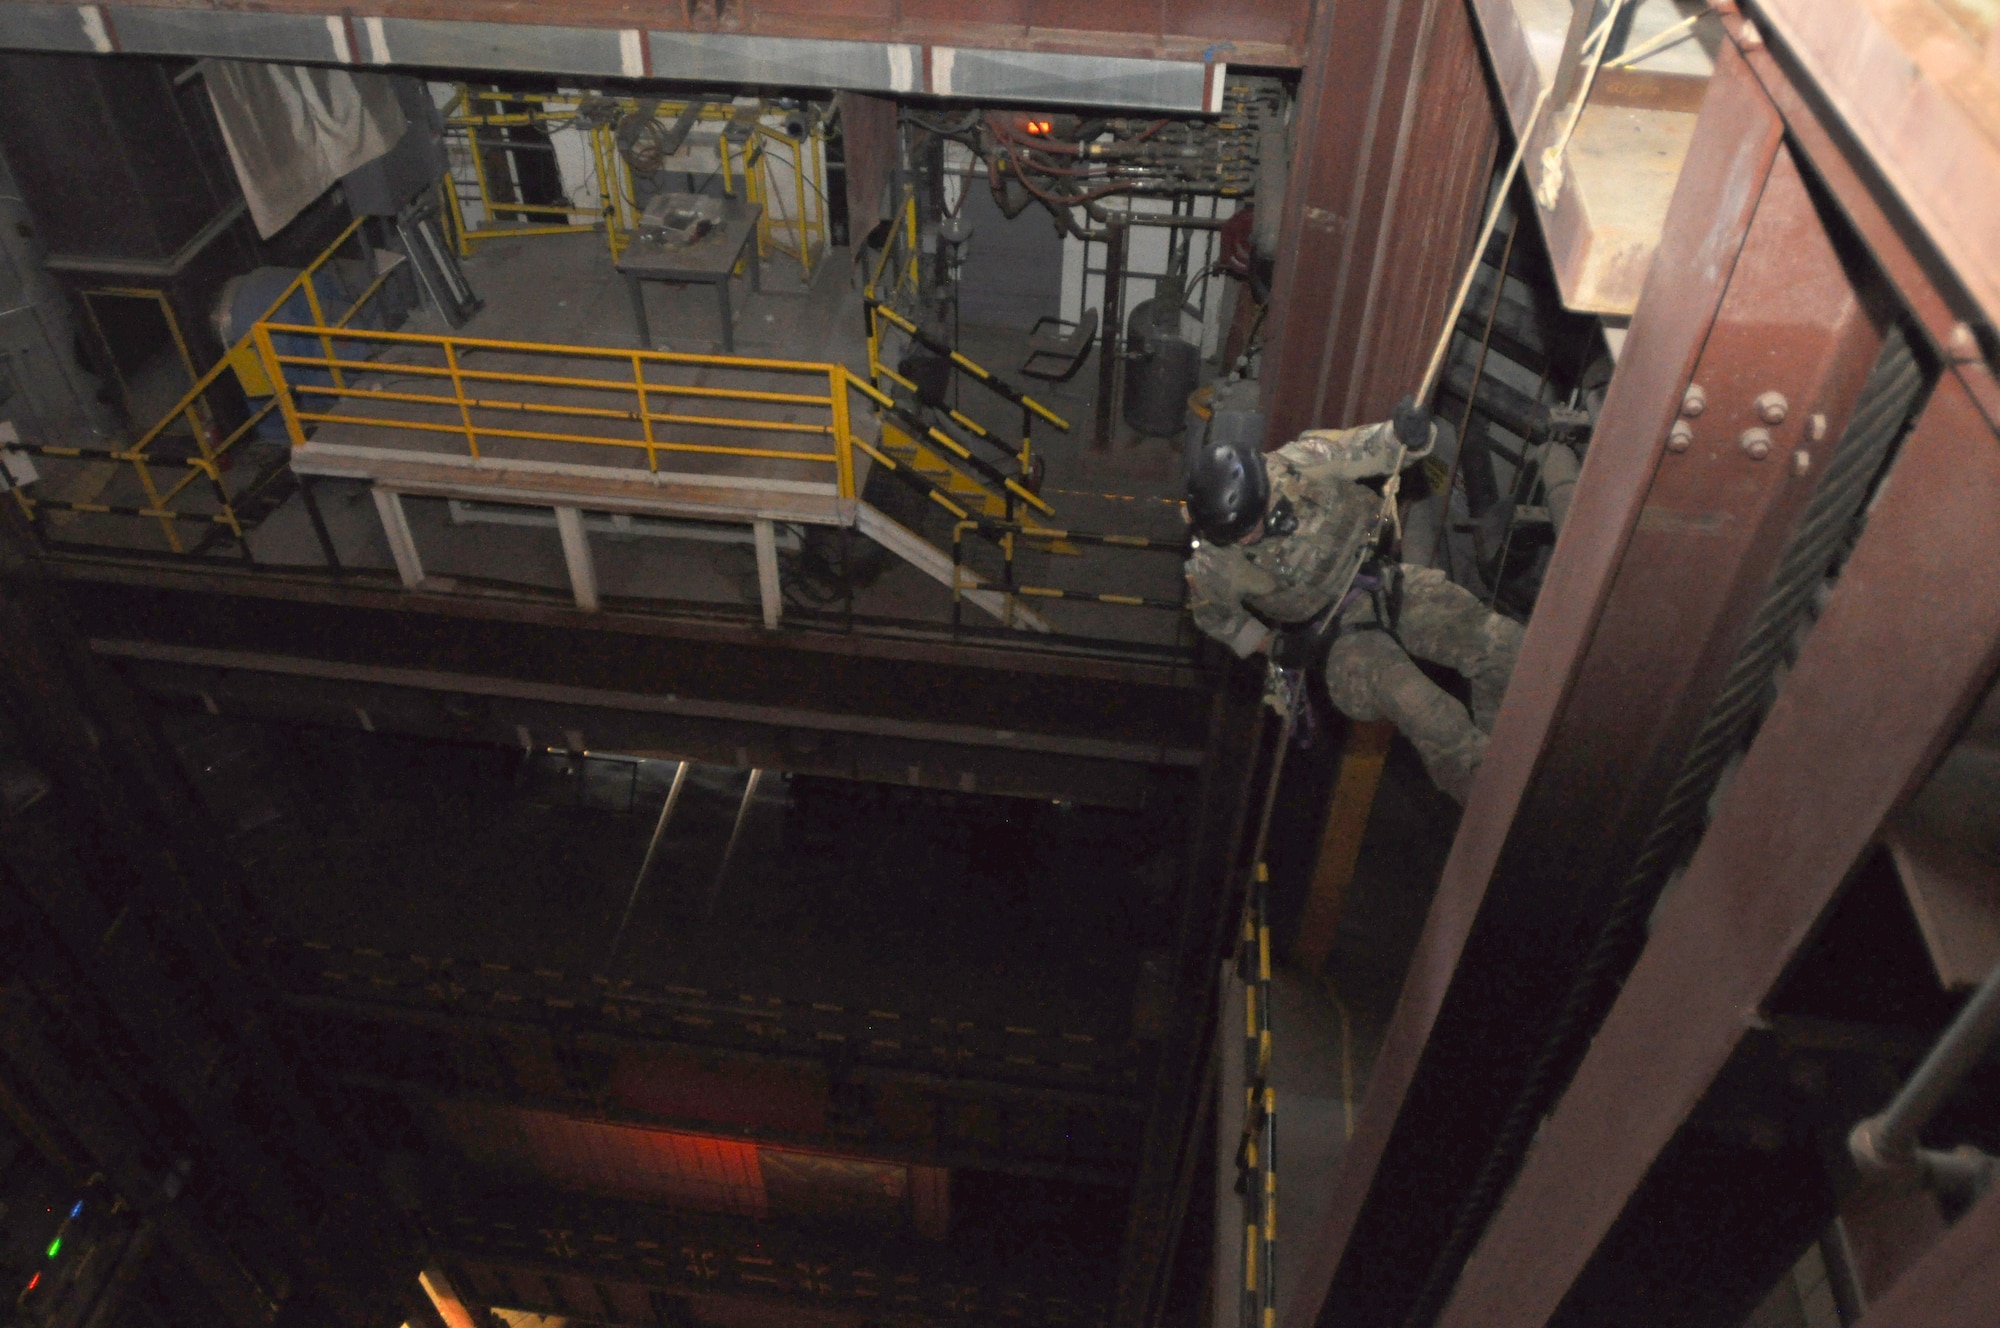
x: 1388, y: 515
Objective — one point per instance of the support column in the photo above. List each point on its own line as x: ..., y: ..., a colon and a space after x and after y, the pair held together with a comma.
x: 402, y: 544
x: 1663, y: 563
x: 1392, y: 149
x: 576, y: 554
x: 768, y: 590
x: 1361, y: 761
x: 1884, y: 679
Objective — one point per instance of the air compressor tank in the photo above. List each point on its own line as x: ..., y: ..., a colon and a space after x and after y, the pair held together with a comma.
x: 1161, y: 366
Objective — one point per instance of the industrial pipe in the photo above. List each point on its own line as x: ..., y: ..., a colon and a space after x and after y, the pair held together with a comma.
x: 1559, y: 471
x: 1885, y: 1144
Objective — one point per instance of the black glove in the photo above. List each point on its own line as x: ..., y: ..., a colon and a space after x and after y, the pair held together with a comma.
x: 1412, y: 424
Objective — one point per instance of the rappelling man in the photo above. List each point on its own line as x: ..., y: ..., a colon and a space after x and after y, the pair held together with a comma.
x: 1287, y: 562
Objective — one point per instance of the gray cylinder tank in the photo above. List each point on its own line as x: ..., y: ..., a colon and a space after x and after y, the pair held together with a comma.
x: 1161, y: 366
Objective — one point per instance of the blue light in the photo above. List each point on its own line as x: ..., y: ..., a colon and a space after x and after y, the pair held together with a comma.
x: 74, y: 1212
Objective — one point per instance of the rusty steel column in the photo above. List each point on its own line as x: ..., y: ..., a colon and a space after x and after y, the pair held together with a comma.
x: 1664, y: 559
x: 1727, y: 164
x: 1392, y: 148
x: 1906, y: 646
x: 1954, y: 1285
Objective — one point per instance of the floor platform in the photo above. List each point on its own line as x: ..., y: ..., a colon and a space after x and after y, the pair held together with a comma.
x: 708, y: 528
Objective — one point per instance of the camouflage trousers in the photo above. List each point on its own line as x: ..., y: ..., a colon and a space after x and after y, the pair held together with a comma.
x: 1370, y: 677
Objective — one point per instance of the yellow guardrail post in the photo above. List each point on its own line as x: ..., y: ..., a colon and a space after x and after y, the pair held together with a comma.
x: 747, y: 164
x: 280, y: 387
x: 458, y: 392
x: 319, y: 320
x: 154, y: 501
x: 799, y: 203
x: 478, y: 165
x: 874, y: 335
x: 645, y: 411
x: 843, y: 443
x: 610, y: 193
x: 454, y: 216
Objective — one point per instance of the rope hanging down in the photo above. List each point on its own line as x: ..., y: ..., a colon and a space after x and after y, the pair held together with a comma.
x: 1387, y: 515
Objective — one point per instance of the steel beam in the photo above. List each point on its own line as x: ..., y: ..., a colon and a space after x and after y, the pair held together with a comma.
x: 1392, y: 147
x: 1927, y: 286
x: 873, y: 1143
x: 430, y: 708
x: 1904, y: 649
x: 1955, y: 1285
x: 1908, y: 84
x: 1150, y: 709
x: 1038, y: 50
x: 1662, y: 560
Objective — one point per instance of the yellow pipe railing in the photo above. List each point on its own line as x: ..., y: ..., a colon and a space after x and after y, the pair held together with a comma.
x: 880, y: 304
x: 298, y: 398
x: 209, y: 460
x: 301, y: 382
x: 616, y: 213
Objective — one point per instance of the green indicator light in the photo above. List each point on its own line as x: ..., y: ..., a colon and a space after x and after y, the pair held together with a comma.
x: 55, y: 1247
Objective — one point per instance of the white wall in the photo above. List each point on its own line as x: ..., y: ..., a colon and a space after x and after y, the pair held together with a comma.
x: 1146, y: 251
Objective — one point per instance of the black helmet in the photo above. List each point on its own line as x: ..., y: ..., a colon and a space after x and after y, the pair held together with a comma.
x: 1227, y: 491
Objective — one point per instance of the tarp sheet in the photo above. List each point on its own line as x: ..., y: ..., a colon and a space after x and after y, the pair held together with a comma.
x: 292, y: 130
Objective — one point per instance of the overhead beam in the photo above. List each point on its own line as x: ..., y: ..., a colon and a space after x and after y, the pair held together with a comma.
x: 233, y: 687
x: 1027, y: 50
x: 1130, y: 708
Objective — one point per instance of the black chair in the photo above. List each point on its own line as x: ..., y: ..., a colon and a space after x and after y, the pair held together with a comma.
x: 1065, y: 350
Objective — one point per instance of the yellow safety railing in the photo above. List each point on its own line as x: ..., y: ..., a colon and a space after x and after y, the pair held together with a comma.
x: 468, y: 401
x: 889, y: 298
x: 808, y: 223
x: 896, y: 276
x: 747, y: 163
x: 892, y: 282
x: 486, y: 398
x: 239, y: 377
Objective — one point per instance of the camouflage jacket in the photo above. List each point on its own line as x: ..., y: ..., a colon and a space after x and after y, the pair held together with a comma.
x: 1236, y: 590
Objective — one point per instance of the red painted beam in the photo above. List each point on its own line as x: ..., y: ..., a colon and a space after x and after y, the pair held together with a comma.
x: 1956, y: 1285
x: 1392, y: 149
x: 1728, y: 163
x: 1906, y: 646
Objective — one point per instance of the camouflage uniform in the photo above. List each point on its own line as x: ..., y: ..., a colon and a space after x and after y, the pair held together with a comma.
x: 1238, y: 591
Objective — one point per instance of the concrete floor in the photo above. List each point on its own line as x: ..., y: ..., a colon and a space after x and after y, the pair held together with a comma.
x: 564, y: 290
